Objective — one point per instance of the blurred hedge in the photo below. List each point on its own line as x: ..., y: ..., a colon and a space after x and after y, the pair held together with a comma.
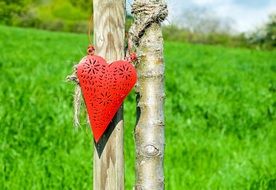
x: 174, y: 33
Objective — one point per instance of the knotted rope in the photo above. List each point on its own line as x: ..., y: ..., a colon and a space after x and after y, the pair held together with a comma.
x: 145, y: 14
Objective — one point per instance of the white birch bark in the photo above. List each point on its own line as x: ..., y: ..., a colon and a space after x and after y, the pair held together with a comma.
x: 149, y: 131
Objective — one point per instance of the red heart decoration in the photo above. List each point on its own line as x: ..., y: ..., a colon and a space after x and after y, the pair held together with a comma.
x: 104, y: 88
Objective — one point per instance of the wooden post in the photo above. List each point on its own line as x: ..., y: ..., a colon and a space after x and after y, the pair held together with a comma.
x: 109, y: 32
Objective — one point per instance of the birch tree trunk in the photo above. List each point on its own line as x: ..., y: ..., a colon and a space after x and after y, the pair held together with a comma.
x: 109, y: 32
x: 149, y: 131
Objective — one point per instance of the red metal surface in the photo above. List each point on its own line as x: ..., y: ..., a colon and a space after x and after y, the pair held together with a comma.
x: 104, y: 88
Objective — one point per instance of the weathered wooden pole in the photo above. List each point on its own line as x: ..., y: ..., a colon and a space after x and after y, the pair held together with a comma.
x: 146, y: 35
x: 109, y: 32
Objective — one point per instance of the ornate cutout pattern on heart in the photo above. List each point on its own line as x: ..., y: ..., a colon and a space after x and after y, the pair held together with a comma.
x: 104, y: 87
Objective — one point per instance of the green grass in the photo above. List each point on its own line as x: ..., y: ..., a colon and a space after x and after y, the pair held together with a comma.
x: 220, y: 116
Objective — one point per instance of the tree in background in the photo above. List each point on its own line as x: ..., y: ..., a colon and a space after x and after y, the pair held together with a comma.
x: 271, y: 30
x: 204, y: 21
x: 265, y: 36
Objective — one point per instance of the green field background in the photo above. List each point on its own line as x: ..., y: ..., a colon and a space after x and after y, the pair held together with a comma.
x: 220, y: 116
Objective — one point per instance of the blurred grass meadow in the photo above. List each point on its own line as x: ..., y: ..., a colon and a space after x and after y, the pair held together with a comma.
x: 220, y: 116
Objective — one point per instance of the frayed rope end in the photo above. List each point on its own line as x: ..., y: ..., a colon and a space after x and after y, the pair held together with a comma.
x: 77, y: 97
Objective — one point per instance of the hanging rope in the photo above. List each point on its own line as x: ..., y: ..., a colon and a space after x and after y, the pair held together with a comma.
x: 73, y: 78
x: 89, y: 30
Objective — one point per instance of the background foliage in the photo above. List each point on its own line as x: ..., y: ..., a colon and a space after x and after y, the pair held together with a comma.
x: 220, y: 116
x: 57, y: 15
x: 265, y: 37
x: 196, y: 25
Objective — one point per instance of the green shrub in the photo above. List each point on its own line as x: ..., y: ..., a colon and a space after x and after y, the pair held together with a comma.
x: 58, y: 15
x: 9, y: 11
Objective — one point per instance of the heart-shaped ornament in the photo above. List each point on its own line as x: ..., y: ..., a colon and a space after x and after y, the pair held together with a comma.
x: 104, y: 87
